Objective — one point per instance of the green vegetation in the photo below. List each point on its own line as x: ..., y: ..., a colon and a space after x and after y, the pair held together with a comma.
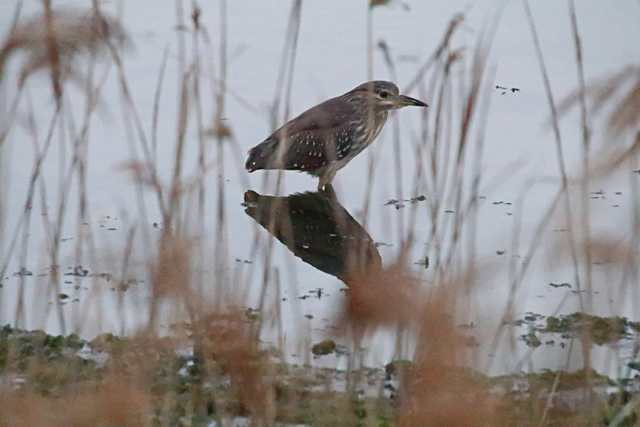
x: 601, y: 330
x: 324, y: 347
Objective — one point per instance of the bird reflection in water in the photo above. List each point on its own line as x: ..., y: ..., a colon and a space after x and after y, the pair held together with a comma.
x: 319, y: 230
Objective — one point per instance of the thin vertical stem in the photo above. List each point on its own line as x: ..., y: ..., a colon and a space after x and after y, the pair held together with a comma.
x: 559, y: 154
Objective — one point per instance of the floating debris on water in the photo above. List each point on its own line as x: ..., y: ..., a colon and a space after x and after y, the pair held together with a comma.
x: 529, y: 319
x: 78, y: 271
x: 318, y: 293
x: 504, y: 89
x: 399, y: 204
x: 560, y: 285
x: 531, y: 339
x: 423, y: 262
x: 23, y: 272
x: 105, y: 276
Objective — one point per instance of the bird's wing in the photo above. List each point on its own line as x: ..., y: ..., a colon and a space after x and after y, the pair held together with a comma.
x: 307, y: 142
x: 330, y: 114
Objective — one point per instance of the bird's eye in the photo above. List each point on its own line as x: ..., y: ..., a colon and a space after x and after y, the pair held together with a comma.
x: 384, y: 94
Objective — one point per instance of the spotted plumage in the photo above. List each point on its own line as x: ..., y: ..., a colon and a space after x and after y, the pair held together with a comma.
x: 323, y: 139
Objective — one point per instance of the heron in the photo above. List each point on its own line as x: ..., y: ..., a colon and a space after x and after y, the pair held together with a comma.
x: 323, y: 139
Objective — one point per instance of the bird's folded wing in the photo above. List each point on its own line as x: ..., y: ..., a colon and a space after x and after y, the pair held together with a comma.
x: 310, y: 141
x: 317, y: 136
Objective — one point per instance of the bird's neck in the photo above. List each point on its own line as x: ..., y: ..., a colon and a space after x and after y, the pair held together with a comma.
x: 379, y: 118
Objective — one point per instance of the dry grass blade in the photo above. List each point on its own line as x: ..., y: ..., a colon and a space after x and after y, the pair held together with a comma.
x: 454, y: 24
x: 625, y: 115
x: 559, y: 149
x: 113, y: 403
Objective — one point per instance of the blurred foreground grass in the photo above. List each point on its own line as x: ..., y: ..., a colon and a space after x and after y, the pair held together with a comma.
x: 65, y: 380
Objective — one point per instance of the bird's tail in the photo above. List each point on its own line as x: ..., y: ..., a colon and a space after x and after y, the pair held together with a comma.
x: 260, y: 155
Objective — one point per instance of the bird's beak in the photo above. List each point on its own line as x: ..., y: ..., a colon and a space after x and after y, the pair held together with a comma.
x: 406, y: 101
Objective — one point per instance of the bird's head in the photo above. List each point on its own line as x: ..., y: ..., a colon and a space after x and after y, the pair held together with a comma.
x: 386, y: 95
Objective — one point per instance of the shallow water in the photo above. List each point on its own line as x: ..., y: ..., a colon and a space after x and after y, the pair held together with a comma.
x: 332, y: 60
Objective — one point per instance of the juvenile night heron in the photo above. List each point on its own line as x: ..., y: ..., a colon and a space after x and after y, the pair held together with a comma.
x: 323, y: 139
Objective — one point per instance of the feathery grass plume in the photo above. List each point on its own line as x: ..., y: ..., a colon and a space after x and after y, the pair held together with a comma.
x: 59, y: 38
x: 437, y: 387
x: 619, y: 95
x: 619, y: 91
x: 382, y: 297
x: 171, y: 270
x: 229, y: 344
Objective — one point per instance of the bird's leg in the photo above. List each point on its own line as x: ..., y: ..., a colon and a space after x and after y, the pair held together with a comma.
x: 326, y: 178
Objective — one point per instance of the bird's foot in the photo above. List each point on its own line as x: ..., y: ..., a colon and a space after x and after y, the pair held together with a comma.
x: 327, y: 190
